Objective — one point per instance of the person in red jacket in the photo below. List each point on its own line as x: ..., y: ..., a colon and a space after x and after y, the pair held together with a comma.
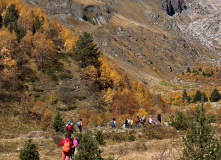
x: 64, y: 143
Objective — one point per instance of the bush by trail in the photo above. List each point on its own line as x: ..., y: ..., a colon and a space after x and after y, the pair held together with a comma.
x: 88, y: 148
x: 29, y: 152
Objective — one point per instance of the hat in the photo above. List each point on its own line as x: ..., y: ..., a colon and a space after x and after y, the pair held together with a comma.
x: 71, y: 121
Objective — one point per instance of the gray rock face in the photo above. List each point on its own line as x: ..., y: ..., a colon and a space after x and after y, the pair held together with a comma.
x: 97, y: 15
x: 60, y: 8
x: 173, y: 6
x: 205, y: 25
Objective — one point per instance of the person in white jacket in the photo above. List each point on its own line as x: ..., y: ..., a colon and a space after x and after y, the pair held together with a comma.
x: 150, y: 120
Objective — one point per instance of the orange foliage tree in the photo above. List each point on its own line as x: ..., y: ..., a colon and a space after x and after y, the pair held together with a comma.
x: 43, y: 50
x: 124, y: 103
x: 9, y: 71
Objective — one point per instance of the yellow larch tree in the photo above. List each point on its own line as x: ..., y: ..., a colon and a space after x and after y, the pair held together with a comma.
x: 7, y: 39
x: 52, y: 98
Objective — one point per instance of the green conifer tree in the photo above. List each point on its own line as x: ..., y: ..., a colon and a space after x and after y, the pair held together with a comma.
x: 86, y: 51
x: 204, y: 74
x: 88, y: 149
x: 58, y: 123
x: 188, y: 70
x: 29, y: 152
x: 184, y: 95
x: 11, y: 17
x: 197, y: 96
x: 37, y: 24
x: 215, y: 96
x: 205, y: 98
x: 200, y: 69
x: 200, y: 142
x: 10, y: 20
x: 0, y: 21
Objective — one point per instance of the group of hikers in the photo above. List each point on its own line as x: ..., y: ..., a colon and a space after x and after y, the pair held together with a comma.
x: 69, y: 143
x: 128, y: 123
x: 69, y: 126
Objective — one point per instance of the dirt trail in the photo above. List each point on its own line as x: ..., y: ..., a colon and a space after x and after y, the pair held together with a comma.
x: 141, y: 149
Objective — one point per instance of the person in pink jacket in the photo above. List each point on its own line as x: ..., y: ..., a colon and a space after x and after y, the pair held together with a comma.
x: 67, y: 142
x: 75, y: 144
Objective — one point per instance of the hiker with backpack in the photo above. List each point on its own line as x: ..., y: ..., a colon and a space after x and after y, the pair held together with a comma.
x: 126, y: 123
x: 159, y: 118
x: 66, y: 144
x: 69, y: 128
x: 113, y: 123
x: 79, y: 124
x: 136, y: 121
x: 143, y: 120
x: 75, y: 144
x: 154, y: 120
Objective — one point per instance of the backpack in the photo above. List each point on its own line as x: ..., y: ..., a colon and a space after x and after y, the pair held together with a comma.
x: 75, y: 143
x: 129, y: 122
x: 78, y: 124
x: 112, y: 123
x: 66, y: 147
x: 69, y: 128
x: 136, y: 120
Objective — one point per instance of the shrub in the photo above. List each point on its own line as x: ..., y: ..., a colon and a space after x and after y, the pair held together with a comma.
x: 118, y: 137
x: 180, y: 121
x: 88, y: 149
x: 51, y: 74
x: 38, y: 90
x: 158, y: 132
x: 80, y: 98
x: 69, y: 108
x: 68, y: 71
x: 100, y: 138
x: 65, y: 76
x: 29, y: 152
x: 131, y: 138
x: 63, y: 56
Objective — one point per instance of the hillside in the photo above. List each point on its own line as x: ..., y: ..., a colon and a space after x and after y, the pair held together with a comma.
x: 140, y: 35
x: 104, y: 59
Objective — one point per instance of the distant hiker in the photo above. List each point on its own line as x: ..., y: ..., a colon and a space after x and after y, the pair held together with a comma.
x: 75, y: 144
x: 79, y: 124
x: 126, y: 123
x: 131, y: 123
x: 159, y: 118
x: 154, y: 120
x: 143, y: 120
x: 136, y: 121
x: 113, y: 123
x: 71, y: 122
x: 150, y: 120
x: 66, y: 144
x: 69, y: 128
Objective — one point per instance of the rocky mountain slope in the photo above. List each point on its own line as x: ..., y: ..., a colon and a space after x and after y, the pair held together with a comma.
x: 150, y: 39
